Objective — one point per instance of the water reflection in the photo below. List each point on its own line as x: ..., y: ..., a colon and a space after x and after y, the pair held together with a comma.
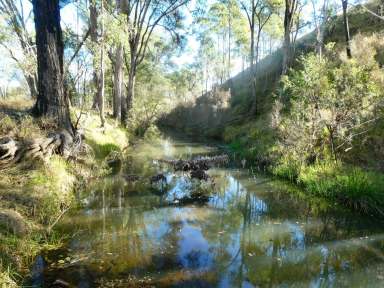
x: 249, y: 232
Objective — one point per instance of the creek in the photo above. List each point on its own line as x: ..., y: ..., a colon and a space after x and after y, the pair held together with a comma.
x: 248, y: 231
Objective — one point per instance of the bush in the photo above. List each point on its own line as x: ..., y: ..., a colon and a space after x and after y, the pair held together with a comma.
x: 332, y: 102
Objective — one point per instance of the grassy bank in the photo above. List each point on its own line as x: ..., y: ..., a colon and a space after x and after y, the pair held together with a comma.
x: 34, y: 195
x: 359, y: 188
x: 320, y: 127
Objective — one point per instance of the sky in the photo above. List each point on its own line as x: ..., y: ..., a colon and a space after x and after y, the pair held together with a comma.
x: 69, y: 18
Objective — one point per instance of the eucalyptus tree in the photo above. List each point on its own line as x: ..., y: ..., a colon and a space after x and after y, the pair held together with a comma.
x: 143, y: 17
x: 94, y: 12
x: 258, y: 14
x: 320, y: 18
x: 118, y: 72
x: 14, y: 15
x: 223, y: 24
x: 291, y: 8
x: 274, y: 30
x: 209, y: 60
x: 346, y: 27
x: 101, y: 88
x: 52, y: 101
x: 224, y: 18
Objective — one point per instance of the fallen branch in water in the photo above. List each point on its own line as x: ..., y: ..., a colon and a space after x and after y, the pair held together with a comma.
x: 202, y: 163
x: 198, y: 166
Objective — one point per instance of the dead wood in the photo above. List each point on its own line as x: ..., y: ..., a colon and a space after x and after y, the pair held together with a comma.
x: 199, y: 174
x: 202, y: 163
x: 158, y: 178
x: 131, y: 177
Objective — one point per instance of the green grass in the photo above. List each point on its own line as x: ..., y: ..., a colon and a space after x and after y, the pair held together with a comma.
x: 40, y: 191
x: 287, y: 168
x: 111, y: 138
x: 351, y: 186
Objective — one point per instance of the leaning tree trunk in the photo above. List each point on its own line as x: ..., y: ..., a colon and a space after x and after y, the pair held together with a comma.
x: 346, y: 28
x: 118, y: 82
x: 51, y: 100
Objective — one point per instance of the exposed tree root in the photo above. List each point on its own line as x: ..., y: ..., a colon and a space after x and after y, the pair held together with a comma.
x: 63, y: 143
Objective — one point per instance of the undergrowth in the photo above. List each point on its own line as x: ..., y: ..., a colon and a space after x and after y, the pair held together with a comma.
x: 37, y: 193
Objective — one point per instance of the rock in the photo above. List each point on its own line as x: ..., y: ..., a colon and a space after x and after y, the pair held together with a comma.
x: 13, y: 222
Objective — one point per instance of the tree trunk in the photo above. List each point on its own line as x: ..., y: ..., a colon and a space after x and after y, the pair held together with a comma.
x: 100, y: 92
x: 52, y: 100
x: 252, y: 67
x: 131, y: 84
x: 287, y: 45
x: 254, y: 74
x: 130, y: 89
x: 32, y: 85
x: 346, y: 28
x: 229, y: 41
x: 93, y: 15
x: 118, y: 82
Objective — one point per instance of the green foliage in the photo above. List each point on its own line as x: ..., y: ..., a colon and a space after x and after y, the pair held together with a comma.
x: 287, y: 168
x: 331, y: 103
x: 43, y: 190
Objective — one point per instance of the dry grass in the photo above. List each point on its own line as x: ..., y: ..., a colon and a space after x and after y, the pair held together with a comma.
x: 16, y: 104
x: 40, y: 191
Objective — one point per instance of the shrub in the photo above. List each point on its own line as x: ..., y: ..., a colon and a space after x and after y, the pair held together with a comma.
x: 332, y: 102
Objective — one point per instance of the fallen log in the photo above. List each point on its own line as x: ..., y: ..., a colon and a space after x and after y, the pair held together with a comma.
x: 199, y: 174
x: 201, y: 163
x: 158, y: 178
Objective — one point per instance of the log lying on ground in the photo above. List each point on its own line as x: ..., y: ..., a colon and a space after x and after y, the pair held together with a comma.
x: 62, y: 142
x: 202, y: 163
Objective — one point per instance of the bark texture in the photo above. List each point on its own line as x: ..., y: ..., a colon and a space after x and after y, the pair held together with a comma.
x: 118, y: 82
x: 290, y: 10
x: 346, y: 28
x: 93, y: 15
x: 52, y: 100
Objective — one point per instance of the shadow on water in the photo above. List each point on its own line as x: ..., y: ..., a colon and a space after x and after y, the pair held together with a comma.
x: 239, y: 230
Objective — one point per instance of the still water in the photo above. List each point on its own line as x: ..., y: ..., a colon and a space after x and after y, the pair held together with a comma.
x: 250, y: 231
